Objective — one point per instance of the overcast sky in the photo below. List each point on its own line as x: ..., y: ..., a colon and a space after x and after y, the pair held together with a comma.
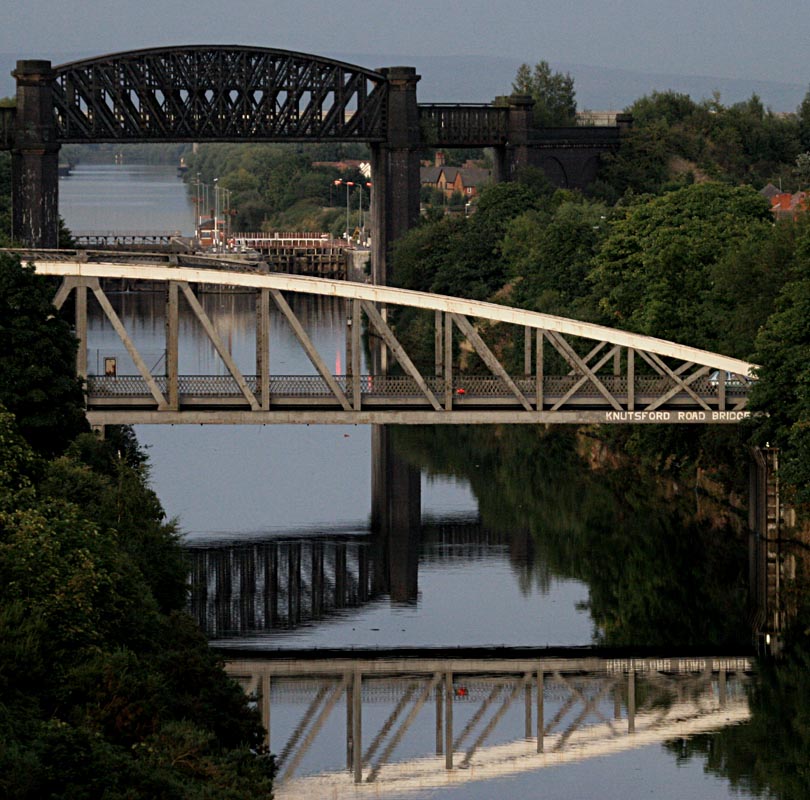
x: 724, y: 38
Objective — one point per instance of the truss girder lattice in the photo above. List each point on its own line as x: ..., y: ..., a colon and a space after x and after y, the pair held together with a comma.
x: 572, y: 371
x: 217, y: 93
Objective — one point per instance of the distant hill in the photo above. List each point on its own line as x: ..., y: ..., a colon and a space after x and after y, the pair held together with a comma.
x: 467, y: 79
x: 470, y: 79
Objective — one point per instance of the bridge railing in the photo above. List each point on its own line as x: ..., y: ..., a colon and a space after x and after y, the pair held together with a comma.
x: 463, y: 125
x: 466, y: 387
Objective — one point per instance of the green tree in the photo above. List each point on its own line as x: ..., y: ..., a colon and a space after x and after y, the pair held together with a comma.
x: 781, y: 393
x: 803, y: 115
x: 553, y: 93
x: 549, y: 253
x: 102, y: 691
x: 654, y: 272
x: 37, y: 360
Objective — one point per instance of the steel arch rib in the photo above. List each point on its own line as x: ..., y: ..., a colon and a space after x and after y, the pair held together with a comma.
x: 217, y: 93
x: 400, y: 297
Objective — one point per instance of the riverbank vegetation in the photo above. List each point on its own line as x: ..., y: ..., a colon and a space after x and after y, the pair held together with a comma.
x: 108, y: 688
x: 673, y: 240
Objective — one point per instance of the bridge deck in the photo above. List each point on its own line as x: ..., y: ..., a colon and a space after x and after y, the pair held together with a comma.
x: 400, y: 397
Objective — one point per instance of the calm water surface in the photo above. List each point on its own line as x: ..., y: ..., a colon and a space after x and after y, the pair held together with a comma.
x: 515, y: 543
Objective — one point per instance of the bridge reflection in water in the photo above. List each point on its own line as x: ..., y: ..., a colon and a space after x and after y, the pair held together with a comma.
x: 487, y: 717
x: 293, y: 580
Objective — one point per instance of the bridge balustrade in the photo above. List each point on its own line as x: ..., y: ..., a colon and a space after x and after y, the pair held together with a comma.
x: 467, y: 388
x: 460, y: 125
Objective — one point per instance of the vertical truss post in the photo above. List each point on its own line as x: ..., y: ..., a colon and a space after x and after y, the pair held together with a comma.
x: 81, y: 329
x: 439, y: 719
x: 349, y: 722
x: 721, y: 390
x: 357, y: 727
x: 527, y: 702
x: 448, y: 362
x: 349, y: 361
x: 172, y: 344
x: 438, y: 344
x: 541, y: 730
x: 538, y: 368
x: 631, y: 378
x: 448, y: 719
x: 631, y: 701
x: 357, y: 399
x: 263, y: 347
x: 527, y: 350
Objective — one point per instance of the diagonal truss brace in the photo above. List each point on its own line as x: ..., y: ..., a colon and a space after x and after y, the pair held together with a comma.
x: 406, y: 723
x: 225, y: 355
x: 571, y: 357
x: 309, y: 348
x: 589, y: 707
x: 681, y: 384
x: 140, y: 364
x: 396, y: 348
x: 495, y: 719
x: 474, y: 338
x: 584, y: 378
x: 315, y: 728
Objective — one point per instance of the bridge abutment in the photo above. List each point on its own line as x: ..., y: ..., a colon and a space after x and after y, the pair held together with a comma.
x: 35, y: 158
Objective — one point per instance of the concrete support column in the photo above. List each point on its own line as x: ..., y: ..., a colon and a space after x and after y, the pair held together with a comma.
x: 395, y: 170
x: 35, y: 158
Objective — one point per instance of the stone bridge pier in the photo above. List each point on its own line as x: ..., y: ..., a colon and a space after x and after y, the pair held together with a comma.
x: 35, y: 158
x: 395, y: 170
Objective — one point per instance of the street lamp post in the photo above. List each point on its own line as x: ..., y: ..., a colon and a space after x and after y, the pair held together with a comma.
x: 348, y: 234
x: 199, y: 210
x: 216, y: 214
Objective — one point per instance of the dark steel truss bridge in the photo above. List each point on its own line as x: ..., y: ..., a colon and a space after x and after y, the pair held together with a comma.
x: 524, y: 367
x: 229, y: 93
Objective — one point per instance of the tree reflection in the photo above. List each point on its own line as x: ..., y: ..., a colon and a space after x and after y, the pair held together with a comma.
x: 665, y: 567
x: 770, y: 754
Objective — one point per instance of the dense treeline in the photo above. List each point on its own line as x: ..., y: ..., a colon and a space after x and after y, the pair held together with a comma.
x: 108, y: 688
x: 277, y: 187
x: 692, y: 255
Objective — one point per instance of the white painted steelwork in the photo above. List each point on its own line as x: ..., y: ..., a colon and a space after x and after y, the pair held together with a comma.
x: 400, y: 297
x: 676, y: 385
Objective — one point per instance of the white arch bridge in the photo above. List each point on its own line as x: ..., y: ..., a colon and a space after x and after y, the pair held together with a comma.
x: 518, y: 366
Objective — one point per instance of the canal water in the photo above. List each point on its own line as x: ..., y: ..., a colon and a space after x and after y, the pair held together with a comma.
x: 520, y: 541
